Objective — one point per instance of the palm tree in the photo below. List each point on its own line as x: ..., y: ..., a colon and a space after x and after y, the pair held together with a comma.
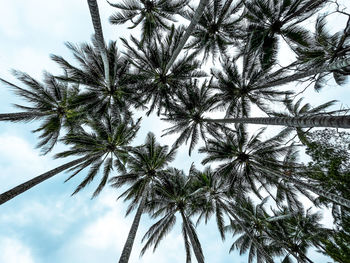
x: 186, y: 113
x: 100, y: 43
x: 250, y: 160
x: 146, y: 164
x: 211, y: 192
x: 98, y: 97
x: 298, y: 110
x: 190, y: 111
x: 244, y: 157
x: 268, y: 18
x: 105, y: 142
x: 153, y: 14
x: 155, y: 82
x: 51, y: 101
x: 255, y: 221
x: 237, y: 91
x: 216, y: 29
x: 324, y: 48
x: 215, y: 195
x: 298, y: 232
x: 173, y: 195
x: 287, y: 192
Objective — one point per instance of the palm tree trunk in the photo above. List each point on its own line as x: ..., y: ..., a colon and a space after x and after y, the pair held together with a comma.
x: 124, y: 258
x: 198, y: 253
x: 8, y: 195
x: 194, y: 21
x: 96, y: 22
x: 302, y: 122
x: 281, y: 81
x: 252, y: 238
x: 332, y: 197
x: 21, y: 116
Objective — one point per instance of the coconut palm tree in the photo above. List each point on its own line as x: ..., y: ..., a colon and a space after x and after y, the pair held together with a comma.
x: 215, y: 195
x: 154, y: 15
x: 211, y: 192
x: 105, y: 143
x: 186, y: 112
x: 299, y: 232
x: 50, y: 101
x: 251, y: 160
x: 172, y: 195
x: 244, y: 156
x: 237, y: 91
x: 268, y: 18
x: 191, y: 110
x: 146, y: 164
x: 157, y: 85
x: 98, y: 97
x: 255, y: 220
x: 217, y: 28
x: 298, y: 110
x: 324, y: 48
x: 286, y: 192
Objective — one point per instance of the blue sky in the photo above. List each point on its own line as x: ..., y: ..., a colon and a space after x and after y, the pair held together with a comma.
x: 46, y: 224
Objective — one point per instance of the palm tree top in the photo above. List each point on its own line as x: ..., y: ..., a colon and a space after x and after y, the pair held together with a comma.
x: 188, y: 111
x: 239, y: 89
x: 153, y: 15
x: 97, y: 96
x: 157, y: 84
x: 146, y: 164
x: 104, y: 142
x: 51, y: 101
x: 217, y: 29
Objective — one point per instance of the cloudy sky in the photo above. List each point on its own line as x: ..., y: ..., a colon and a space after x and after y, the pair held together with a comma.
x: 46, y: 224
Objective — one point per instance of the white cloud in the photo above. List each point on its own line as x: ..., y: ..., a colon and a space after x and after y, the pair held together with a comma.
x: 13, y: 251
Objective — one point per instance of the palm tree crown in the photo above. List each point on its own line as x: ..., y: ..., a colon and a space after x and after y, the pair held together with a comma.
x: 154, y: 15
x: 157, y: 84
x: 51, y: 101
x: 103, y: 142
x: 97, y: 96
x: 217, y: 28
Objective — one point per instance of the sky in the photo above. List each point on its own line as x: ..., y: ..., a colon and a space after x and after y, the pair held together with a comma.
x: 46, y: 224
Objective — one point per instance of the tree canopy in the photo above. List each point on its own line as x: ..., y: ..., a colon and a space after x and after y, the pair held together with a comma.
x: 252, y: 181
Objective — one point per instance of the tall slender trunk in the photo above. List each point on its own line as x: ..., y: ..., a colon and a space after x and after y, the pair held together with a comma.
x: 8, y: 195
x: 198, y: 253
x: 332, y: 66
x: 21, y: 116
x: 194, y: 21
x: 302, y: 122
x: 252, y: 238
x: 332, y: 197
x: 96, y: 22
x: 124, y: 258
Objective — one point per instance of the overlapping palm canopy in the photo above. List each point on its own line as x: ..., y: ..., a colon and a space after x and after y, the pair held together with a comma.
x: 90, y: 109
